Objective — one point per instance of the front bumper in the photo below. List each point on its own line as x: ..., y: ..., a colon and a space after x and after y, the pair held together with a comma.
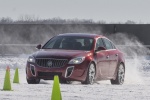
x: 69, y: 72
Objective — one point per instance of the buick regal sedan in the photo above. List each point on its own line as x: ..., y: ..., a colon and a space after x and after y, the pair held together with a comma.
x: 77, y: 57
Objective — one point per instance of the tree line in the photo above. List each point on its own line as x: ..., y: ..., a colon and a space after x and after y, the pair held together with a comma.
x: 32, y: 20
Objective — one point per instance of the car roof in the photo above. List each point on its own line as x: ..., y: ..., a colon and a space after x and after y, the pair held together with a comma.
x: 91, y: 35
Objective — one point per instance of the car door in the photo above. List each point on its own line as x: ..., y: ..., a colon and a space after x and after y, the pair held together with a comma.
x: 102, y: 60
x: 112, y: 57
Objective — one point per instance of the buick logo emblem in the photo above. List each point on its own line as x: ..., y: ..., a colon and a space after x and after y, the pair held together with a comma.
x: 49, y: 63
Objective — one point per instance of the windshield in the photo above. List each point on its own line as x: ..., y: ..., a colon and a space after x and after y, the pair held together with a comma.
x: 69, y: 43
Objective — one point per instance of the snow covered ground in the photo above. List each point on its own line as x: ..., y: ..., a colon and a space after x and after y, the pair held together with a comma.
x: 136, y: 86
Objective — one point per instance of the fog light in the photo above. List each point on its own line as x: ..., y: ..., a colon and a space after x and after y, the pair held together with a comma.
x: 32, y: 68
x: 69, y: 71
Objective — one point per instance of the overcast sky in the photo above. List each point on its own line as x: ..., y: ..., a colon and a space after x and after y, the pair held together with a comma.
x: 107, y: 10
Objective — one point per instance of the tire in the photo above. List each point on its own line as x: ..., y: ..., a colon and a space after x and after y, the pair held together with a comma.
x: 65, y: 82
x: 33, y: 81
x: 90, y: 75
x: 120, y: 76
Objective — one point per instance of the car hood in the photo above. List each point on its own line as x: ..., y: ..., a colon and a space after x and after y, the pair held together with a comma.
x: 53, y: 53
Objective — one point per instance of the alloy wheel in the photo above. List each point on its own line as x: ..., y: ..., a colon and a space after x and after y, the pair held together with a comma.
x: 91, y: 73
x: 121, y: 74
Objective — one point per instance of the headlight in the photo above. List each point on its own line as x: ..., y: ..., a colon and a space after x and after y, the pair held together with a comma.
x: 77, y: 60
x: 31, y: 59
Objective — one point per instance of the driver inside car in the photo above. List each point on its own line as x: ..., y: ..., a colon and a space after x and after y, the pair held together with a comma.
x: 87, y: 44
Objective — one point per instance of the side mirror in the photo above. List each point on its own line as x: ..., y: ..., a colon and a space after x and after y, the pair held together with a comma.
x: 39, y: 46
x: 100, y: 48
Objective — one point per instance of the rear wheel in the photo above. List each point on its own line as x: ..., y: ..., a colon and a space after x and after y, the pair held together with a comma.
x: 90, y: 75
x: 33, y: 81
x: 120, y: 76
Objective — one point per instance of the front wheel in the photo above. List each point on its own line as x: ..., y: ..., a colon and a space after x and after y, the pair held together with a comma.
x: 120, y: 76
x: 90, y: 75
x: 33, y: 81
x: 65, y: 82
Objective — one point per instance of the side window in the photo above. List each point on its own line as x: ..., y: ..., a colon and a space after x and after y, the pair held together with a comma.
x: 108, y: 44
x: 99, y: 43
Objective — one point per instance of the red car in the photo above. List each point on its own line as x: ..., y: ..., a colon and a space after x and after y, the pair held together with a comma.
x: 77, y: 57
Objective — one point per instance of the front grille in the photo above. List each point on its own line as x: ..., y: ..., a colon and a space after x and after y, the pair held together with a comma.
x: 51, y: 62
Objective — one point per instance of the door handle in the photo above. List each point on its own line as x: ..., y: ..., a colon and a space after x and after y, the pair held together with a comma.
x: 116, y: 54
x: 107, y: 57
